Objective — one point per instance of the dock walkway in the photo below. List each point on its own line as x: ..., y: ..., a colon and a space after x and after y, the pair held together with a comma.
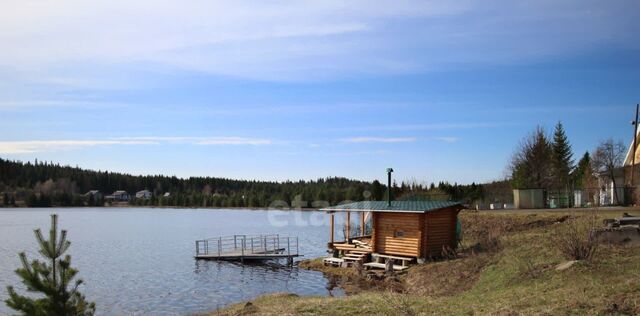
x: 248, y: 247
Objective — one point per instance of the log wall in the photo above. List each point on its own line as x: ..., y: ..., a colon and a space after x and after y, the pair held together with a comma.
x: 388, y: 225
x: 440, y: 229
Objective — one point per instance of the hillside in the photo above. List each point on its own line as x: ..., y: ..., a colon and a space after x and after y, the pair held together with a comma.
x: 47, y: 184
x: 61, y: 185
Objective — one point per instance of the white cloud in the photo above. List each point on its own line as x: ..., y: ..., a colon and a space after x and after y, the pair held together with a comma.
x: 220, y: 140
x: 73, y: 41
x: 447, y: 139
x: 22, y: 104
x: 433, y: 126
x: 32, y: 146
x: 379, y: 139
x: 234, y: 141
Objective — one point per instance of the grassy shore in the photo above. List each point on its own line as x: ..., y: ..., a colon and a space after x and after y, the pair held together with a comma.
x: 507, y: 266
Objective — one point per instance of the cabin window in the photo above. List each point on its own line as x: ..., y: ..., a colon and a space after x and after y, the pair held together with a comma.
x: 398, y: 233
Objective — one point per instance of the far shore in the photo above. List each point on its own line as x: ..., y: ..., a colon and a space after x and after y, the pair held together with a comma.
x: 164, y: 207
x: 634, y: 208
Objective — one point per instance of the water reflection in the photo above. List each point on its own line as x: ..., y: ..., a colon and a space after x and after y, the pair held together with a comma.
x: 140, y: 261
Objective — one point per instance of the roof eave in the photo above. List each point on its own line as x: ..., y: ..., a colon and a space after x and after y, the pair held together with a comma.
x: 330, y: 210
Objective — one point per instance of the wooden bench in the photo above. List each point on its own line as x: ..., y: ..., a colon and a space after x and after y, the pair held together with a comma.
x: 332, y: 261
x: 405, y: 260
x: 377, y: 265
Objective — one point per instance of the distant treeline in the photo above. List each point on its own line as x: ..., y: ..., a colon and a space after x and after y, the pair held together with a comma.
x: 46, y: 184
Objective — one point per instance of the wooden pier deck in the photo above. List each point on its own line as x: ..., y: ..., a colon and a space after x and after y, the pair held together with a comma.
x: 248, y: 247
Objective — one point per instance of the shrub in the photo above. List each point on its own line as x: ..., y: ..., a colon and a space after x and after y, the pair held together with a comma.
x: 400, y: 303
x: 576, y: 238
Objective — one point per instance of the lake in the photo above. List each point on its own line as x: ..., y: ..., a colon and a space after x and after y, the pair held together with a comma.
x: 140, y: 260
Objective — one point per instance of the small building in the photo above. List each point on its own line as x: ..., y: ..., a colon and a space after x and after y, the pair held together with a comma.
x: 529, y: 198
x: 95, y: 194
x: 610, y: 194
x: 166, y: 194
x: 400, y: 229
x: 144, y: 195
x: 118, y: 196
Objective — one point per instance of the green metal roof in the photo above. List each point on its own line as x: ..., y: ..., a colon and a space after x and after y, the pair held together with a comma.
x: 396, y: 206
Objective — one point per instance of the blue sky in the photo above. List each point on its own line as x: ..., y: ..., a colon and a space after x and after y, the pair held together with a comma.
x: 299, y: 90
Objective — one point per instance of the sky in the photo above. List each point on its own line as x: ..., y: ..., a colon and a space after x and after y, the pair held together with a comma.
x: 288, y: 90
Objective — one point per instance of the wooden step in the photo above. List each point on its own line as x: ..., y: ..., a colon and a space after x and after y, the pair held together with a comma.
x: 351, y: 259
x: 344, y: 246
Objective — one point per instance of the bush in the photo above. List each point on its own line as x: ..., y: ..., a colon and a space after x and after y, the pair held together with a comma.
x: 576, y: 238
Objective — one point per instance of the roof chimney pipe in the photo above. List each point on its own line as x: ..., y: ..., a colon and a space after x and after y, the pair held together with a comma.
x: 389, y: 171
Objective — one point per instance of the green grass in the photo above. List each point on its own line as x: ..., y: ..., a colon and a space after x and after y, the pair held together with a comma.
x: 519, y: 277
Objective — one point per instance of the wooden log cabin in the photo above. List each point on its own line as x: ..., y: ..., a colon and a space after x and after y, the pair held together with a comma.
x: 419, y: 230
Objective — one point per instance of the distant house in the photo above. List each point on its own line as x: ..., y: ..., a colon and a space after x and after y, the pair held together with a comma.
x: 623, y: 192
x: 95, y: 194
x: 167, y: 194
x: 144, y: 195
x: 119, y: 196
x: 610, y: 195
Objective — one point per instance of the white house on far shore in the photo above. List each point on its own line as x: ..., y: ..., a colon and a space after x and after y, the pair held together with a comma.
x: 144, y: 194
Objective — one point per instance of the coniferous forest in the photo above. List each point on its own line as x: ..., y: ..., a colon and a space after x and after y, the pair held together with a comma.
x: 44, y: 184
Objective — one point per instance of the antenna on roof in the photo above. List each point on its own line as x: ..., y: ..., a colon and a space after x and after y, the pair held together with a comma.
x: 389, y: 171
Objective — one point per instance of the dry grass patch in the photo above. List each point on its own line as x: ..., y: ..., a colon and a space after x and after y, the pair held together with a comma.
x: 446, y: 278
x: 351, y: 280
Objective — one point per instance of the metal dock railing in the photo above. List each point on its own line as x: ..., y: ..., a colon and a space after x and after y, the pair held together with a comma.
x: 248, y: 247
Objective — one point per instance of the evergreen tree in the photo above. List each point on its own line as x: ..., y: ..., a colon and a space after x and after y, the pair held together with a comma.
x: 532, y: 163
x: 562, y: 158
x: 51, y: 279
x: 377, y: 190
x: 583, y: 171
x: 5, y: 199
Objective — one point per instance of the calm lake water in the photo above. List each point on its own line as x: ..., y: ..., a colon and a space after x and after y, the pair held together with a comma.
x: 140, y: 261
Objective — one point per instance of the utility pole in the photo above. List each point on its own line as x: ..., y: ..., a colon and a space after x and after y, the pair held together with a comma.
x: 635, y: 144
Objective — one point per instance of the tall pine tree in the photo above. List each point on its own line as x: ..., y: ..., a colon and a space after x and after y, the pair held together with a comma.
x: 51, y: 278
x: 562, y: 158
x: 583, y: 173
x: 532, y: 164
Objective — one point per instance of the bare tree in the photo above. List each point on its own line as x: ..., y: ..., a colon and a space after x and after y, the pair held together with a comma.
x: 608, y: 156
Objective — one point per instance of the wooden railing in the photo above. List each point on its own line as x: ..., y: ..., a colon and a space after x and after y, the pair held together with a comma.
x: 245, y: 245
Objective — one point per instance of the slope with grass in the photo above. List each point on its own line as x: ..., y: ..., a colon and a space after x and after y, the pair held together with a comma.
x: 507, y: 266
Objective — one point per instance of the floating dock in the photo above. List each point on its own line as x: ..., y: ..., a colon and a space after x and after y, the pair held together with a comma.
x: 248, y: 247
